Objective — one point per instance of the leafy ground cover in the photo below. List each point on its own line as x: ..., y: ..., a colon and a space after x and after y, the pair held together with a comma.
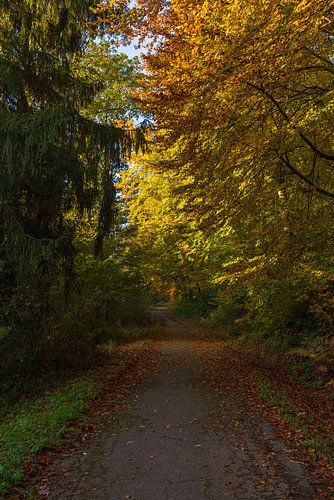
x: 33, y: 431
x: 302, y: 416
x: 35, y: 425
x: 311, y: 431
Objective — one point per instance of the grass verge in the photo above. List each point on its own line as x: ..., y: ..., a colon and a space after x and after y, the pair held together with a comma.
x: 311, y: 435
x: 37, y: 424
x: 302, y: 417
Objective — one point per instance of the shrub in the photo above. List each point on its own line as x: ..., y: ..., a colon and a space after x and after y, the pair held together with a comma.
x: 231, y: 311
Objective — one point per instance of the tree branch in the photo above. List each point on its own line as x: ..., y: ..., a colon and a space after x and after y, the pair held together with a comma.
x: 307, y: 141
x: 285, y: 160
x: 316, y: 68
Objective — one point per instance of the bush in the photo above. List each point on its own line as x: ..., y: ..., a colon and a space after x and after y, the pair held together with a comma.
x: 282, y: 316
x: 195, y: 304
x: 230, y: 312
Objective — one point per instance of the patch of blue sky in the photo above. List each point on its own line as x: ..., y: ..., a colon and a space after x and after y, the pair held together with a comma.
x: 130, y: 50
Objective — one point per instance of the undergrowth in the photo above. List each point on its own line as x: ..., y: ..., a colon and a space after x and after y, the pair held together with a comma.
x: 125, y: 333
x: 29, y: 426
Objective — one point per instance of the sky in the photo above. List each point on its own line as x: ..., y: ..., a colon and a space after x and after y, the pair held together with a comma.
x: 130, y: 50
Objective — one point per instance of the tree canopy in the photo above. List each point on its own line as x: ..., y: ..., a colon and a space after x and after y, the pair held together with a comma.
x: 242, y: 95
x: 63, y: 136
x: 231, y: 204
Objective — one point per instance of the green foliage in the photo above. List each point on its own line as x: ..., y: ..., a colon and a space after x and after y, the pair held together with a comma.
x: 229, y: 312
x: 3, y: 333
x: 281, y: 317
x: 115, y: 76
x: 194, y: 303
x: 65, y: 132
x: 36, y: 425
x: 187, y: 308
x: 109, y: 291
x: 305, y: 371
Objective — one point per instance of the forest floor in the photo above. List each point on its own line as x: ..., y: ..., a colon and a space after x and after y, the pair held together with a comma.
x: 185, y: 424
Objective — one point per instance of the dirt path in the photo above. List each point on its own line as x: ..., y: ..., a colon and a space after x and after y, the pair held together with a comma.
x: 177, y: 440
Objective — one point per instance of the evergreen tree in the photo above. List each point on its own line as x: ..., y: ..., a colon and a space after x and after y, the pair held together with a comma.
x: 54, y: 159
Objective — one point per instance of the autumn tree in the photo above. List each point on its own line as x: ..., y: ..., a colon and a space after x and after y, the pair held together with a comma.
x: 242, y: 94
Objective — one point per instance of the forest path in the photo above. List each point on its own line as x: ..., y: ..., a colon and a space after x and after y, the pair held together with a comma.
x: 177, y: 439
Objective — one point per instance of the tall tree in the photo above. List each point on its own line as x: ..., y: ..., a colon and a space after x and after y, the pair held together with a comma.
x: 242, y: 93
x: 54, y: 157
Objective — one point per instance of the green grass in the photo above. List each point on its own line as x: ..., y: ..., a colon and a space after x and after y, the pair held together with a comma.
x: 321, y: 447
x: 304, y: 371
x: 284, y: 406
x: 38, y: 424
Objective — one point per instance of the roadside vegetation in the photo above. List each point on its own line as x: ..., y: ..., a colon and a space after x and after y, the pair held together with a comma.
x: 207, y: 183
x: 37, y: 424
x: 300, y: 415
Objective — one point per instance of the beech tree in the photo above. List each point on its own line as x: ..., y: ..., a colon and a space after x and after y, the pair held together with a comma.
x: 242, y: 95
